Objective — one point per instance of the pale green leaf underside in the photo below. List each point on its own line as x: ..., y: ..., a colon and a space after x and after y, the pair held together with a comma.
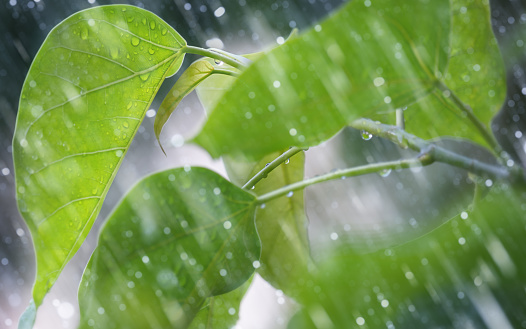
x: 191, y: 77
x: 178, y: 237
x: 365, y: 61
x: 82, y: 102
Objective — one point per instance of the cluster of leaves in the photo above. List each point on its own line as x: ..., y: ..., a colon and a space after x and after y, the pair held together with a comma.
x: 181, y: 247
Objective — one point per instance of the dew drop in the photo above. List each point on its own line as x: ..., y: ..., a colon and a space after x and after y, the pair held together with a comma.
x: 114, y: 52
x: 84, y: 33
x: 164, y: 31
x: 287, y: 161
x: 290, y: 194
x: 135, y: 41
x: 218, y: 62
x: 384, y: 172
x: 125, y: 124
x: 151, y: 51
x: 145, y: 76
x: 366, y: 135
x: 152, y: 25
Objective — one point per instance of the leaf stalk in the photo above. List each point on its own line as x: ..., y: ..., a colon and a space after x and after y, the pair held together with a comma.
x: 230, y: 59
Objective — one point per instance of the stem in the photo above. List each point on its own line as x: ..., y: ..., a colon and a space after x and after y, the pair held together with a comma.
x: 440, y: 154
x: 271, y: 166
x: 225, y: 72
x: 223, y: 56
x: 468, y: 111
x: 423, y: 160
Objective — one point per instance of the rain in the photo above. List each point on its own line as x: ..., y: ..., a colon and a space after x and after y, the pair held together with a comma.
x: 360, y: 229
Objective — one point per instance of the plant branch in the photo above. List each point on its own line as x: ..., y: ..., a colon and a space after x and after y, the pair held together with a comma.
x: 263, y: 173
x: 440, y: 154
x: 423, y: 160
x: 468, y: 111
x: 230, y: 59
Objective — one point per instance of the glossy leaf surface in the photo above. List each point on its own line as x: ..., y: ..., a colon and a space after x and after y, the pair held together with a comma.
x: 177, y: 238
x: 367, y: 60
x: 82, y: 102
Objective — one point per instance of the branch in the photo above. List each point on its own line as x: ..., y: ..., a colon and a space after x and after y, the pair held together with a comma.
x: 238, y: 62
x: 439, y: 154
x: 271, y: 166
x: 423, y: 160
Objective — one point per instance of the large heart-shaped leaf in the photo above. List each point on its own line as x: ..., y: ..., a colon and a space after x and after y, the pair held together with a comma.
x: 369, y: 59
x: 178, y: 237
x: 82, y: 102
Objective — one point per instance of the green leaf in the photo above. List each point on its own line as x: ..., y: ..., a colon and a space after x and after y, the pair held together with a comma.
x: 213, y: 88
x: 196, y: 73
x: 462, y: 271
x: 178, y: 237
x: 221, y: 311
x: 82, y: 102
x: 369, y: 59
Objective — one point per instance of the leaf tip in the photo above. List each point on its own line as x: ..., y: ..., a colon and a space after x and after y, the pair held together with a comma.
x: 27, y: 319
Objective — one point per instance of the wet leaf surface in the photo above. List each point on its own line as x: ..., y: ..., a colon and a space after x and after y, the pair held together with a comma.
x: 177, y: 238
x: 82, y: 102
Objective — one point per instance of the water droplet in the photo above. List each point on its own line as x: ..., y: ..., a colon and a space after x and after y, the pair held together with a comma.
x: 125, y: 124
x: 114, y: 52
x: 366, y: 135
x: 143, y: 21
x: 151, y: 51
x: 287, y: 161
x: 218, y: 62
x: 135, y: 41
x: 152, y: 25
x: 290, y: 194
x: 384, y: 172
x: 84, y: 33
x: 164, y: 31
x: 145, y: 76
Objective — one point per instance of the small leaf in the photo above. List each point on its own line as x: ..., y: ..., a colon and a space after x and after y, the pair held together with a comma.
x: 177, y: 238
x: 196, y: 73
x: 82, y: 102
x: 213, y: 88
x: 221, y: 311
